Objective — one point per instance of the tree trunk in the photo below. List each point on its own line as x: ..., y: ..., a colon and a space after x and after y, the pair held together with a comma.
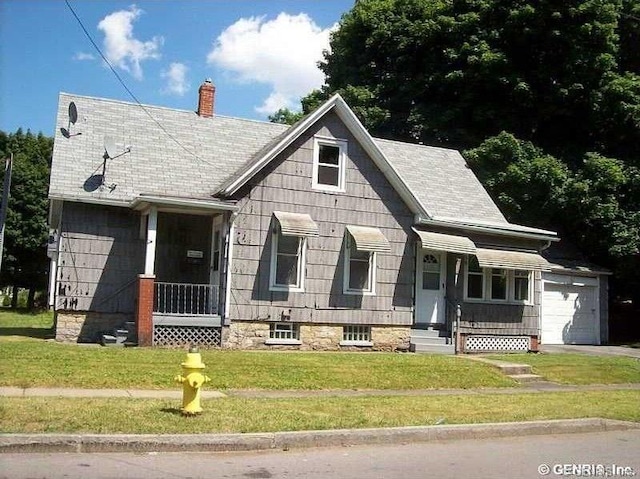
x: 31, y: 299
x: 14, y: 297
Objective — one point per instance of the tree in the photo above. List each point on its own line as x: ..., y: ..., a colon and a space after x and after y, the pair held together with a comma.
x: 25, y: 263
x: 454, y: 73
x: 285, y: 116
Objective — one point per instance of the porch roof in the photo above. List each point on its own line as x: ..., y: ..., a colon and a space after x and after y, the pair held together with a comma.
x: 444, y: 242
x: 181, y: 203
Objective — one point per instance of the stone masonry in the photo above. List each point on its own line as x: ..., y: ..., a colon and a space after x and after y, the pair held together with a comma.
x: 84, y: 327
x: 313, y: 337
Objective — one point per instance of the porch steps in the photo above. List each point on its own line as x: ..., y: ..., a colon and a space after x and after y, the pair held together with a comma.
x: 431, y: 341
x: 123, y: 336
x: 518, y: 372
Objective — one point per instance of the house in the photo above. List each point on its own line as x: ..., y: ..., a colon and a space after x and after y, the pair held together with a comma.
x: 196, y: 228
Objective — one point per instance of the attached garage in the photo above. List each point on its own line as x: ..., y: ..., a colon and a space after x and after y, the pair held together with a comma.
x: 570, y: 310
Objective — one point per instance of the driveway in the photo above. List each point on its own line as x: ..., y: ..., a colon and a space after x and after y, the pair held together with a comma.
x: 587, y: 349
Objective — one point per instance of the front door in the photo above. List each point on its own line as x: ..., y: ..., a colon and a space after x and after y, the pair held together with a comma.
x: 430, y: 285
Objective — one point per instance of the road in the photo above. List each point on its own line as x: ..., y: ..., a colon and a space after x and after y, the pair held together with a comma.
x: 486, y: 458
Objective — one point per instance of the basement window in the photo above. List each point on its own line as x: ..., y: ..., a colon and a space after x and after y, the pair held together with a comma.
x: 356, y: 335
x: 284, y: 333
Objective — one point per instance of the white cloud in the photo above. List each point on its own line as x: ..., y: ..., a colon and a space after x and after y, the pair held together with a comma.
x: 122, y: 49
x: 176, y: 77
x: 282, y: 53
x: 81, y: 56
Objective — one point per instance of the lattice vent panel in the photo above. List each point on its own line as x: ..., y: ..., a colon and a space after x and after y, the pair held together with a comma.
x: 187, y: 335
x: 497, y: 343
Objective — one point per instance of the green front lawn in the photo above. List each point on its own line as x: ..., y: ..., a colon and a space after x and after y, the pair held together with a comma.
x: 25, y: 323
x: 579, y: 368
x: 32, y: 363
x: 232, y: 415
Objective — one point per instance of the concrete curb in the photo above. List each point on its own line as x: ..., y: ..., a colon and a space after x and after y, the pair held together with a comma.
x: 92, y: 443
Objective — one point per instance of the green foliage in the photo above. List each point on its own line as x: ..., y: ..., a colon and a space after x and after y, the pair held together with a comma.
x: 285, y: 116
x: 528, y: 185
x: 562, y: 78
x: 25, y: 262
x: 596, y: 206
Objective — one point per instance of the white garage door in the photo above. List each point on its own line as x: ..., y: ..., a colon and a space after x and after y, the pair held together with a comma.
x: 570, y: 314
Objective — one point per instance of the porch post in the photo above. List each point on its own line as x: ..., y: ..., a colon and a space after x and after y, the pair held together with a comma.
x: 152, y: 229
x: 144, y: 310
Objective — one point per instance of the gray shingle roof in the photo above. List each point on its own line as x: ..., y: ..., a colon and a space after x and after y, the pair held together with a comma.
x: 212, y: 150
x: 442, y: 182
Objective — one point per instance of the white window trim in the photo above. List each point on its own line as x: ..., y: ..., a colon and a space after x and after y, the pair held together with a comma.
x: 352, y: 342
x: 347, y: 271
x: 302, y: 245
x: 342, y: 163
x: 486, y: 285
x: 283, y: 341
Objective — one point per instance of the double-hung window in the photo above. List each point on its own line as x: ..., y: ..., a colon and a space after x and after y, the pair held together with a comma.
x: 362, y: 244
x: 288, y: 249
x: 287, y: 262
x: 329, y: 164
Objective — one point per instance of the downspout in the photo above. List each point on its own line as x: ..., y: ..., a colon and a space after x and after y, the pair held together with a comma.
x: 228, y: 267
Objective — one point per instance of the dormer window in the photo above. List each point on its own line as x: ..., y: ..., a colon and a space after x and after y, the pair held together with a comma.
x: 329, y: 164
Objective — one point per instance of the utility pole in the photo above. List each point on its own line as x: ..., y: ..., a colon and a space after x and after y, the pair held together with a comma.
x: 8, y: 164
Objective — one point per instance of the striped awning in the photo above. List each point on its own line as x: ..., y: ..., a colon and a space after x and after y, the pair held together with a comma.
x: 444, y: 242
x: 494, y: 258
x: 296, y: 224
x: 367, y: 238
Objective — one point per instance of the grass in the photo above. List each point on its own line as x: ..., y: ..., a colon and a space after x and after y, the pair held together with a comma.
x: 26, y: 323
x: 580, y: 368
x: 230, y: 415
x: 35, y: 363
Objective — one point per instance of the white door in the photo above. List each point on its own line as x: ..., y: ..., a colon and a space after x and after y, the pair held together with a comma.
x: 430, y: 286
x: 570, y: 314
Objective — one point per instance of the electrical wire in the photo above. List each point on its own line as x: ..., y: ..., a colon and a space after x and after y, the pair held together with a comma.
x: 128, y: 90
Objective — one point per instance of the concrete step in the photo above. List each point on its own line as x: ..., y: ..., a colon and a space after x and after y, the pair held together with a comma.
x: 429, y: 333
x: 427, y: 341
x: 525, y: 378
x: 514, y: 369
x: 432, y: 348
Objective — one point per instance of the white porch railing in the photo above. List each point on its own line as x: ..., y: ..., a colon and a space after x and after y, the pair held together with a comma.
x: 185, y: 299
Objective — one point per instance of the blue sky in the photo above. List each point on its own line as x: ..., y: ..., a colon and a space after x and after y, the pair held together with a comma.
x: 260, y: 54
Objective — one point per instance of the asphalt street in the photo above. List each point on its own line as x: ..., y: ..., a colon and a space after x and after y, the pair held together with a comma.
x: 561, y: 455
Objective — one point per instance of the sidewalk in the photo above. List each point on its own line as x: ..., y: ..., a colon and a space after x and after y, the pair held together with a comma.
x: 525, y: 388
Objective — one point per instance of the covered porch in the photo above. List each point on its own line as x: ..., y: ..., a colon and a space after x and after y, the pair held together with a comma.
x: 182, y: 294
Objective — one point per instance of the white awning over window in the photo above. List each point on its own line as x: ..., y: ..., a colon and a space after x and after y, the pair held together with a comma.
x: 494, y: 258
x: 367, y: 238
x: 296, y: 224
x: 444, y: 242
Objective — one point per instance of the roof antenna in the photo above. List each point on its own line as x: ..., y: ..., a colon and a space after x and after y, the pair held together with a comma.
x: 73, y: 117
x: 111, y: 152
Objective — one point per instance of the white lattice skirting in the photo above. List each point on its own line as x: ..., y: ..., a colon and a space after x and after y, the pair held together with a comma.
x: 187, y: 335
x: 496, y: 343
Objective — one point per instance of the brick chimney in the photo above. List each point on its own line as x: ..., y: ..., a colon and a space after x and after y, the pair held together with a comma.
x: 206, y: 99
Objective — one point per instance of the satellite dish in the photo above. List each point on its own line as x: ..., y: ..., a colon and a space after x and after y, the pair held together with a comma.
x: 110, y: 147
x: 73, y: 113
x: 65, y: 132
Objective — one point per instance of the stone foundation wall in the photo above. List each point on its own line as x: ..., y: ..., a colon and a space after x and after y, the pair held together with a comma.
x: 313, y: 337
x: 85, y: 327
x: 391, y: 338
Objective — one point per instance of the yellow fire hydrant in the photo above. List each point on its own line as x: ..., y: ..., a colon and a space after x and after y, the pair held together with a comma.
x: 192, y: 380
